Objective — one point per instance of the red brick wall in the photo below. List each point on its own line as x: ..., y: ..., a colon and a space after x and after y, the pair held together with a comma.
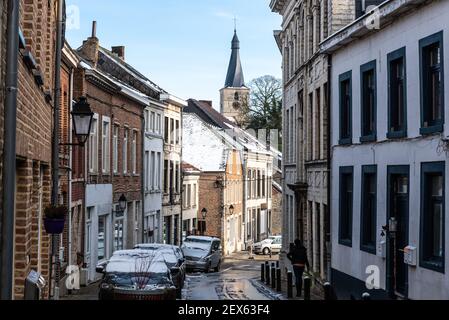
x: 210, y: 198
x: 34, y: 126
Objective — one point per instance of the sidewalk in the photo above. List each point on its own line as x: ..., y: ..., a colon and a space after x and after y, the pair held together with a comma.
x: 84, y: 294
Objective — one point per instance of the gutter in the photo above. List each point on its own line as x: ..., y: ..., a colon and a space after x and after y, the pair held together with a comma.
x: 9, y: 152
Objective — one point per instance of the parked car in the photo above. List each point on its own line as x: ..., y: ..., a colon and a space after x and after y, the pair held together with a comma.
x: 136, y: 275
x: 202, y: 253
x: 272, y: 244
x: 173, y: 257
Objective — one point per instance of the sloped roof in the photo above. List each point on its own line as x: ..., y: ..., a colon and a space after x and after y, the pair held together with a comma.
x: 208, y: 114
x: 235, y: 78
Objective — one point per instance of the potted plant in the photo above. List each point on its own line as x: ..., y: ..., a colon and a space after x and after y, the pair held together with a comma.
x: 54, y: 220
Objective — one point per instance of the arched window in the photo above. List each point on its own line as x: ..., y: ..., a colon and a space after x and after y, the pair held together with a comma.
x: 236, y: 96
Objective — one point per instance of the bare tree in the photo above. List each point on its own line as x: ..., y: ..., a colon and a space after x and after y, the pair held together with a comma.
x: 142, y: 270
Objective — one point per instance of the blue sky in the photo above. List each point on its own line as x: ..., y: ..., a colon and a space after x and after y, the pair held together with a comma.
x: 184, y: 45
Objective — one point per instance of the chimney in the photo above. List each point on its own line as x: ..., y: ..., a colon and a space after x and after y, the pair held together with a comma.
x: 208, y: 102
x: 91, y: 46
x: 120, y: 51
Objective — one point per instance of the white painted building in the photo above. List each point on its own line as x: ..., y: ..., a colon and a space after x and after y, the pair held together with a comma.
x: 171, y: 201
x: 153, y: 171
x: 389, y: 151
x: 190, y: 198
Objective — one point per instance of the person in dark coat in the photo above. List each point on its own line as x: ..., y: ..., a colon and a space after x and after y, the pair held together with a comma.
x: 299, y: 260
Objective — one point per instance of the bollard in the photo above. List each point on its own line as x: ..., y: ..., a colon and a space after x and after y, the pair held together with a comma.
x: 289, y: 284
x: 267, y: 274
x: 307, y: 287
x: 262, y: 272
x: 278, y: 280
x: 273, y: 276
x: 328, y: 291
x: 366, y: 296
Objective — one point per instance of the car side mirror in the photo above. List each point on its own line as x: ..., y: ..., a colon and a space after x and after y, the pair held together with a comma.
x: 100, y: 269
x: 181, y: 261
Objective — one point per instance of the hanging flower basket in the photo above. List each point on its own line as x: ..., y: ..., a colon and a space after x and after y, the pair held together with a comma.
x: 54, y: 220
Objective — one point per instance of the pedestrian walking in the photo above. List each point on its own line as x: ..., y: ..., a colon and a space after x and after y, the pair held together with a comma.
x: 298, y: 258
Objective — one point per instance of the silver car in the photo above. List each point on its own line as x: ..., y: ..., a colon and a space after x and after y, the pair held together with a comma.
x: 202, y: 253
x: 268, y: 246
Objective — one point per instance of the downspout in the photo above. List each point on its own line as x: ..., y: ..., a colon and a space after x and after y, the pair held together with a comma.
x: 71, y: 170
x: 329, y: 165
x: 55, y: 142
x: 142, y: 178
x: 9, y: 152
x: 181, y: 126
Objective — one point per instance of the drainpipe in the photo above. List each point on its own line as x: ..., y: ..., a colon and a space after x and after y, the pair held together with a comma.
x: 329, y: 166
x: 9, y: 153
x: 142, y: 179
x: 70, y: 171
x: 55, y: 142
x: 182, y: 176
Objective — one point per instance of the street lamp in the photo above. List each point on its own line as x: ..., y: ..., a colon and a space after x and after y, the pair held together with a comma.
x: 204, y: 213
x: 203, y: 223
x: 82, y: 116
x: 122, y: 202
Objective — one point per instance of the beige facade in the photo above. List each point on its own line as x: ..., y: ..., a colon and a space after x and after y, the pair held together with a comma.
x: 234, y: 102
x: 305, y: 124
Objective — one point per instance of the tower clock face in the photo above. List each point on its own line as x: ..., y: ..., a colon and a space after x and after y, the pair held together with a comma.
x: 236, y: 105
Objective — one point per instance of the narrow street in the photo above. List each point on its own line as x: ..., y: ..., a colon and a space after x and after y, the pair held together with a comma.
x: 237, y: 280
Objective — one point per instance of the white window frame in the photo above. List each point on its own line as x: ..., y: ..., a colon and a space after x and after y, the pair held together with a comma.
x: 106, y: 145
x: 93, y: 145
x: 153, y: 170
x: 116, y: 134
x: 134, y: 151
x: 125, y: 149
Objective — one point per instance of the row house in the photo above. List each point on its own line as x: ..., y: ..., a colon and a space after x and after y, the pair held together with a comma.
x: 114, y: 158
x: 190, y: 199
x: 390, y: 152
x: 32, y: 137
x: 306, y: 128
x: 172, y: 184
x: 220, y: 189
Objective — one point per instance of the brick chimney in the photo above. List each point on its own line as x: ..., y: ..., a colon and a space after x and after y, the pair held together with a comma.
x: 119, y: 51
x: 208, y: 102
x: 90, y: 47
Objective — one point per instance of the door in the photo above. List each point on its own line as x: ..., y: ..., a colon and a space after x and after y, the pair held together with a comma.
x: 216, y: 256
x: 397, y: 237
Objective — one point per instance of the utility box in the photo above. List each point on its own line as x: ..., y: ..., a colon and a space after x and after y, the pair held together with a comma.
x: 410, y: 256
x: 382, y: 249
x: 34, y: 284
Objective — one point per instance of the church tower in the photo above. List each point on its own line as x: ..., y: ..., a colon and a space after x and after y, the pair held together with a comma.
x: 234, y: 97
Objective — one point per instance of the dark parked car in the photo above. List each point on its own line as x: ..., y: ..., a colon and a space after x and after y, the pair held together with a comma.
x: 202, y: 253
x: 173, y: 257
x: 136, y: 275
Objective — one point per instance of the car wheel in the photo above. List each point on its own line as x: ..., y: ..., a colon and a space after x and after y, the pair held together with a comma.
x: 217, y: 268
x: 266, y: 251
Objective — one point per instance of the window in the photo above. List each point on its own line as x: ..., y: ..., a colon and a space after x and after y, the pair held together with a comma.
x: 172, y: 131
x: 134, y: 152
x: 368, y: 101
x: 166, y: 178
x: 189, y: 196
x: 125, y: 150
x: 147, y: 171
x: 153, y: 122
x: 346, y: 108
x: 153, y: 170
x: 158, y: 172
x: 166, y: 130
x: 397, y: 94
x: 432, y: 216
x: 101, y: 238
x: 369, y: 209
x: 147, y: 121
x: 93, y: 146
x: 177, y: 178
x: 115, y: 149
x: 105, y: 146
x: 178, y: 133
x: 158, y: 124
x: 249, y: 184
x: 432, y: 84
x: 317, y: 143
x: 346, y: 205
x: 194, y: 201
x: 119, y: 234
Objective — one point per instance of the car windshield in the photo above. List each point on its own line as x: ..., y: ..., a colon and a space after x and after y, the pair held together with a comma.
x: 196, y: 244
x: 143, y: 280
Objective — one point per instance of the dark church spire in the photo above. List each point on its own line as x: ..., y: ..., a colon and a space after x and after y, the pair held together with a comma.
x: 235, y: 77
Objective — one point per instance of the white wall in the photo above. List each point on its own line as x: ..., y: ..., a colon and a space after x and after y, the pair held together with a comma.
x: 406, y: 31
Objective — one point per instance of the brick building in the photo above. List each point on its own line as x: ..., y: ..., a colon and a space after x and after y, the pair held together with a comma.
x: 33, y: 141
x: 114, y: 157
